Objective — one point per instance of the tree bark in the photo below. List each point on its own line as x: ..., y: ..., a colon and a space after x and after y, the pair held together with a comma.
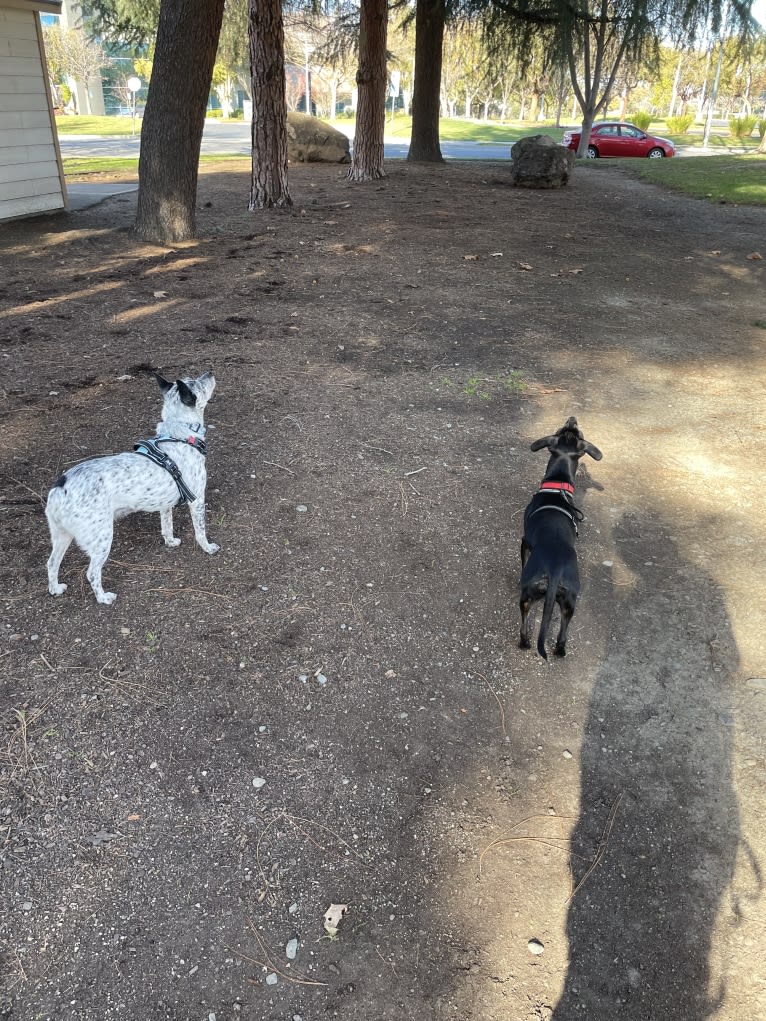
x: 430, y: 16
x: 171, y: 134
x: 367, y: 158
x: 268, y: 183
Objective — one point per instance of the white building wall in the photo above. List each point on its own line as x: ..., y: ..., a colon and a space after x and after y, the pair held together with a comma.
x: 30, y: 177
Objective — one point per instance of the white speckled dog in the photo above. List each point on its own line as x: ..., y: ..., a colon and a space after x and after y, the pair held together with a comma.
x: 88, y: 498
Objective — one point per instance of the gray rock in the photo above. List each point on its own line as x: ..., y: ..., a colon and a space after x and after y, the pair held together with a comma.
x: 310, y: 140
x: 540, y: 162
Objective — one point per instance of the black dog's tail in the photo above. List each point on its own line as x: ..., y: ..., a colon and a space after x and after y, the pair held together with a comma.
x: 550, y: 599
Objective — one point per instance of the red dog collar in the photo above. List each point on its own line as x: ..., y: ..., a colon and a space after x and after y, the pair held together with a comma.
x: 565, y: 486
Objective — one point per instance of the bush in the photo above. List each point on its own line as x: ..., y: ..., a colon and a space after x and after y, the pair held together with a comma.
x: 641, y: 119
x: 237, y: 115
x: 681, y: 124
x: 742, y: 127
x: 761, y: 128
x: 214, y: 113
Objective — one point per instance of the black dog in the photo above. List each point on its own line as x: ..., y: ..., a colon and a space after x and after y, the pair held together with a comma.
x: 548, y: 558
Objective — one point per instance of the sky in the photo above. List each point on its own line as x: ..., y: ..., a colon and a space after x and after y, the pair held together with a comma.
x: 759, y: 11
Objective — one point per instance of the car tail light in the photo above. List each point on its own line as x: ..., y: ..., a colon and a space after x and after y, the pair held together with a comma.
x: 567, y: 137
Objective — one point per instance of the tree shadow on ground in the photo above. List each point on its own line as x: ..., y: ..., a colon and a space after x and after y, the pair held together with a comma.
x: 658, y: 811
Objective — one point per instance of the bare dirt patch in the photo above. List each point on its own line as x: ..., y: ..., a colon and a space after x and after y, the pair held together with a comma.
x: 385, y: 355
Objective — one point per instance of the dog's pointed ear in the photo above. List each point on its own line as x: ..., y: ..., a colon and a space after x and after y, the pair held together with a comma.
x: 546, y: 441
x: 187, y: 395
x: 165, y: 384
x: 588, y: 448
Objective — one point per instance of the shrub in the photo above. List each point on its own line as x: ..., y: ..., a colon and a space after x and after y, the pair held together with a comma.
x: 742, y: 127
x: 641, y: 119
x: 760, y: 127
x: 681, y: 124
x: 214, y: 113
x: 237, y: 115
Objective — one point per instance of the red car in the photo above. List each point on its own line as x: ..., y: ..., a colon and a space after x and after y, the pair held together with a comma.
x: 615, y: 138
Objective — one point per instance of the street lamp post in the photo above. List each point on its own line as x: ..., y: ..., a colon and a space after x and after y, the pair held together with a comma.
x: 307, y: 49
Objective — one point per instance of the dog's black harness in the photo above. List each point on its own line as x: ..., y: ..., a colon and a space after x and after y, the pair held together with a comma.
x: 151, y: 449
x: 574, y: 514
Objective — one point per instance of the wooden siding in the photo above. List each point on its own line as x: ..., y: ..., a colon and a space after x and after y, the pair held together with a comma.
x: 30, y: 173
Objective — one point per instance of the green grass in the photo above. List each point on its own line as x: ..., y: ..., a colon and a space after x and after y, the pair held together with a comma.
x: 81, y: 166
x: 97, y: 125
x: 456, y: 130
x: 735, y: 179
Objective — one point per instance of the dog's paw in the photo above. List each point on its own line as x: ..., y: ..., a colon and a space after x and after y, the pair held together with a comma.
x: 211, y: 548
x: 107, y: 598
x: 173, y: 542
x: 524, y: 643
x: 560, y: 650
x: 57, y: 590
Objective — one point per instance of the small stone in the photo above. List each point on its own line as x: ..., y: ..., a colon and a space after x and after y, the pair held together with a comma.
x: 271, y: 980
x: 608, y: 563
x: 756, y: 683
x: 567, y: 754
x: 258, y: 782
x: 301, y: 508
x: 535, y: 946
x: 124, y: 630
x: 291, y: 949
x: 27, y: 905
x: 292, y: 909
x: 321, y: 679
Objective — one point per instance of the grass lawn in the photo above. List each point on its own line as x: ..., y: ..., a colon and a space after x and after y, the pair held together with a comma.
x: 82, y: 166
x: 735, y: 179
x: 105, y: 126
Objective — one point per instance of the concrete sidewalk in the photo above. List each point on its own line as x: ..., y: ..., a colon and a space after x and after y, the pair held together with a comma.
x: 84, y: 194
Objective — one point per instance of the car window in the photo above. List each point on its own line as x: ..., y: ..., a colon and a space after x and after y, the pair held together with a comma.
x: 608, y: 129
x: 631, y: 132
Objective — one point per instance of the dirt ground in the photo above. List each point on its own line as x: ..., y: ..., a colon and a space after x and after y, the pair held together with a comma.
x: 515, y: 841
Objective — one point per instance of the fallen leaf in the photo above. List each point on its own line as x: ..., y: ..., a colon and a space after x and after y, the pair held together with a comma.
x: 471, y: 258
x: 574, y: 272
x: 333, y: 916
x: 133, y: 818
x: 755, y: 256
x: 714, y: 252
x: 160, y: 294
x: 524, y: 265
x: 495, y: 255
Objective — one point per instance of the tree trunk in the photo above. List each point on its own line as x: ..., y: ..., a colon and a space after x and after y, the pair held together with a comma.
x: 268, y: 181
x: 171, y: 134
x: 367, y: 159
x: 430, y: 16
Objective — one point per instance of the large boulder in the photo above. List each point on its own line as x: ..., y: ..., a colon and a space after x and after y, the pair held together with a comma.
x: 310, y: 140
x: 540, y: 162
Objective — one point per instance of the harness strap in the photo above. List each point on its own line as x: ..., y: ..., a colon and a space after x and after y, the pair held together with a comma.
x: 192, y: 441
x: 574, y: 515
x: 150, y: 449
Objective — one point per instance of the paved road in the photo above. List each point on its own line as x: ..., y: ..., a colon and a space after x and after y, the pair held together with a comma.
x: 233, y: 139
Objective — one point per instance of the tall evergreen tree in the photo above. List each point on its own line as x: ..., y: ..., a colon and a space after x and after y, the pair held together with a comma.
x: 430, y: 18
x: 171, y: 133
x: 367, y: 157
x: 268, y: 185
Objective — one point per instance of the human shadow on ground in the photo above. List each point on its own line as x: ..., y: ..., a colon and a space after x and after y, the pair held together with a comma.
x: 658, y: 812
